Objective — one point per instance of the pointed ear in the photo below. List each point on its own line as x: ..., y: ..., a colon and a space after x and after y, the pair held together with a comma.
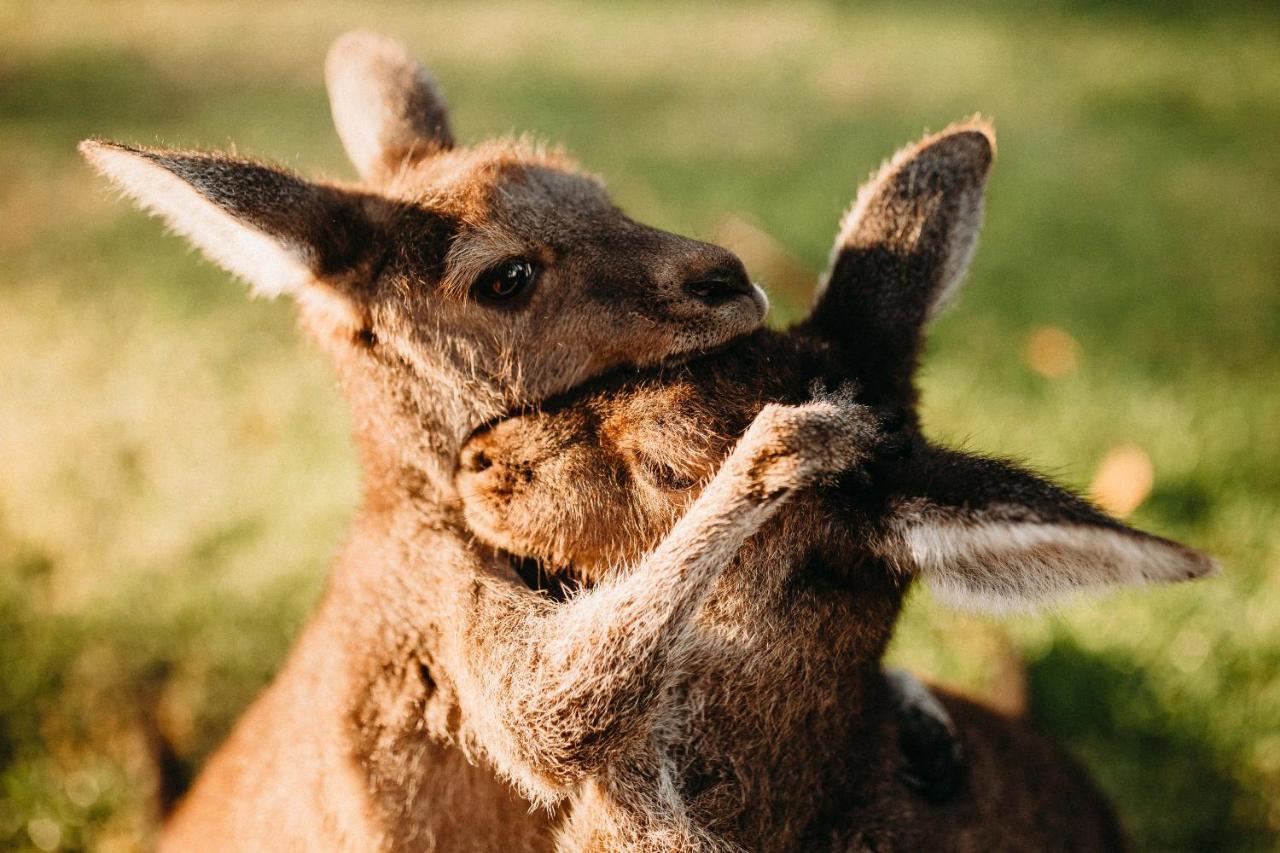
x: 386, y: 107
x: 904, y: 247
x: 273, y: 229
x: 988, y: 535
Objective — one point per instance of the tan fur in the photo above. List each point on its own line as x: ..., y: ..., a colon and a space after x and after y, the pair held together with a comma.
x: 369, y: 738
x: 768, y: 724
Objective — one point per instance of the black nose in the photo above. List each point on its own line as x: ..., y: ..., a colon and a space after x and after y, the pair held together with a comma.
x: 719, y: 286
x: 474, y: 460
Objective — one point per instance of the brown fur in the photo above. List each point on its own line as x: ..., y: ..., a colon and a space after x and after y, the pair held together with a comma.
x: 368, y: 738
x: 769, y: 725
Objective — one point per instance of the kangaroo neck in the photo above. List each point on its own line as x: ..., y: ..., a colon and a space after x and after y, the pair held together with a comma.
x: 409, y: 420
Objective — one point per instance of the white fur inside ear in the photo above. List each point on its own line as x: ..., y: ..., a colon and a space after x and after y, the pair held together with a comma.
x: 960, y: 249
x: 1006, y: 566
x: 270, y: 266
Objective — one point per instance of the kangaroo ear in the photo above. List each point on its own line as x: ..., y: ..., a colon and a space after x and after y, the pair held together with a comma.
x: 904, y: 247
x: 273, y: 229
x: 988, y: 535
x: 386, y: 106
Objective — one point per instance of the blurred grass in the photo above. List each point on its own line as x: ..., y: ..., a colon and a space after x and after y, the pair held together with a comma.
x: 174, y: 468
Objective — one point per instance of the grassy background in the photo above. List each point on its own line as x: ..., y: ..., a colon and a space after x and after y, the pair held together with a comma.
x: 174, y: 467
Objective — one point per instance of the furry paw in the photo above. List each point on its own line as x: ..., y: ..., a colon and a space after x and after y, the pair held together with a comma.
x: 790, y: 447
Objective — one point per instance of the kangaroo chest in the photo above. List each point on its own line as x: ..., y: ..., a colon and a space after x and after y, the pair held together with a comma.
x: 780, y: 705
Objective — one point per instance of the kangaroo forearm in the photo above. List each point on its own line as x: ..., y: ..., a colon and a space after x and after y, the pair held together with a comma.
x: 573, y: 685
x: 561, y: 691
x: 545, y: 724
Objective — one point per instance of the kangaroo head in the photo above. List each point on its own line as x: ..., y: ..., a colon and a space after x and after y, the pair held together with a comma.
x: 601, y: 474
x: 450, y: 284
x: 599, y: 477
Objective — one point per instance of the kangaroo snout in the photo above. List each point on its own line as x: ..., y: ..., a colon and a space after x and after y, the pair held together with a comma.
x: 719, y: 286
x: 474, y: 460
x: 488, y: 463
x: 713, y: 279
x: 480, y: 467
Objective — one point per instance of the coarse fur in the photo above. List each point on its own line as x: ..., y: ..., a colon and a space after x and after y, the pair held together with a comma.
x: 770, y: 725
x: 365, y: 740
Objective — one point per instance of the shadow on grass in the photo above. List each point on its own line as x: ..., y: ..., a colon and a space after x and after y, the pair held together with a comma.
x: 1174, y: 791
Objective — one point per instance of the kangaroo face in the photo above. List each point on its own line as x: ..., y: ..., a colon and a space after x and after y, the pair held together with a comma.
x: 451, y: 284
x: 534, y: 277
x: 602, y: 477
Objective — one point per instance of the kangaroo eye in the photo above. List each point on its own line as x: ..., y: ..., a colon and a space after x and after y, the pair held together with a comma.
x: 505, y: 281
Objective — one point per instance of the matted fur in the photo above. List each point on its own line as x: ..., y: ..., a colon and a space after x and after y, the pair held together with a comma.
x: 769, y: 724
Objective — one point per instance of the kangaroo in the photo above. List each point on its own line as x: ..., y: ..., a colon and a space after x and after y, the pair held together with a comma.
x: 449, y: 286
x: 769, y: 724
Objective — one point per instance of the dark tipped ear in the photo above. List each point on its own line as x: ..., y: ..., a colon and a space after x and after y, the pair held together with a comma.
x: 988, y: 535
x: 275, y: 230
x: 904, y: 247
x: 386, y: 106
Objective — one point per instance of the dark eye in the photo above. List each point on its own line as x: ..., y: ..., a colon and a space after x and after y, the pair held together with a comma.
x: 506, y: 281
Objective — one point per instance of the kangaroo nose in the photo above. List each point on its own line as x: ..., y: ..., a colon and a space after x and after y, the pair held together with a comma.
x: 719, y: 286
x: 474, y: 460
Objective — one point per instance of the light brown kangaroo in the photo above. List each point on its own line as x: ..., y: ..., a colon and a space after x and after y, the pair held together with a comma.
x: 450, y: 286
x: 769, y: 725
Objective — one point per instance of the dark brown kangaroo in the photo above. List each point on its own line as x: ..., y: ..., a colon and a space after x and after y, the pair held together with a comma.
x: 769, y: 724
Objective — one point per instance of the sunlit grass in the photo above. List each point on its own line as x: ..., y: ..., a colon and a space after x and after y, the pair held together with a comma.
x: 174, y: 468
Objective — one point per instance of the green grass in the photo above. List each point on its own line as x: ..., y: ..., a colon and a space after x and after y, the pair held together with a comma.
x: 174, y: 466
